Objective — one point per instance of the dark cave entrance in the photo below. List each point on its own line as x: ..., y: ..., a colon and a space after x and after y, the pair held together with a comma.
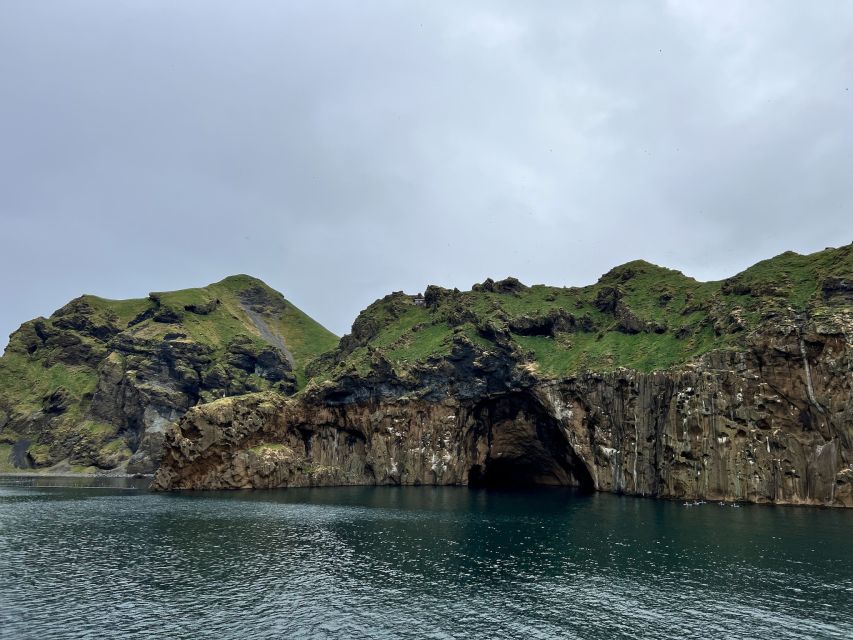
x: 509, y: 474
x: 526, y: 447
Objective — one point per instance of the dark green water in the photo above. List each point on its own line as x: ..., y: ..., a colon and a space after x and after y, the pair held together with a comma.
x: 415, y: 563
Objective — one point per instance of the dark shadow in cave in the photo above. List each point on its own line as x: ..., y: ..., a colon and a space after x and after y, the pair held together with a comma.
x: 526, y: 446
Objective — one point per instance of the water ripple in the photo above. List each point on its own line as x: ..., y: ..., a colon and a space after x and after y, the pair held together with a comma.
x: 415, y: 563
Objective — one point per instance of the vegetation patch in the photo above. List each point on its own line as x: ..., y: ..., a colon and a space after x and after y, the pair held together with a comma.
x: 6, y: 464
x: 639, y: 316
x: 39, y: 454
x: 61, y: 377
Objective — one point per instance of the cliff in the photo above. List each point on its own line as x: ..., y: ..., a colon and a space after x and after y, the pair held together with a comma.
x: 646, y: 383
x: 95, y: 386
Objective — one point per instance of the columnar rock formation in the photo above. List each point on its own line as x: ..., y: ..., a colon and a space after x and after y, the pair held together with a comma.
x: 771, y: 423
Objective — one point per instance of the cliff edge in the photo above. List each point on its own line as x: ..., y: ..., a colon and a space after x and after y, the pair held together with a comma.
x: 94, y: 387
x: 646, y: 383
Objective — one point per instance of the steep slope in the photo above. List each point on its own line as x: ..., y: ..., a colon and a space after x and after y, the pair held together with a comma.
x: 638, y: 316
x: 95, y: 385
x: 646, y: 382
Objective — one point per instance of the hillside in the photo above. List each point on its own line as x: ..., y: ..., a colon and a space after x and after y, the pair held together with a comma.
x: 646, y: 382
x: 638, y: 316
x: 102, y: 383
x: 95, y: 385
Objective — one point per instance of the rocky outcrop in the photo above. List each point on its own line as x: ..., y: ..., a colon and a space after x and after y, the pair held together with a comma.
x: 646, y: 382
x: 772, y: 422
x: 127, y: 370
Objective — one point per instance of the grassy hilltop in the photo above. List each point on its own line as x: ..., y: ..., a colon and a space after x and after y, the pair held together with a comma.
x: 77, y: 385
x: 638, y: 315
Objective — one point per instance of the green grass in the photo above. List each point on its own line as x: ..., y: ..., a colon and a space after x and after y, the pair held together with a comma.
x: 396, y: 329
x: 428, y: 342
x: 40, y: 453
x: 123, y: 310
x: 114, y: 446
x: 6, y: 465
x: 799, y: 277
x: 80, y: 468
x: 642, y: 352
x: 304, y: 337
x: 7, y: 436
x: 646, y: 292
x: 97, y: 429
x: 24, y: 381
x: 470, y: 332
x: 677, y: 316
x: 115, y: 451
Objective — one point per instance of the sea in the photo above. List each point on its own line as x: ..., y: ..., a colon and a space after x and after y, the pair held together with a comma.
x: 106, y: 558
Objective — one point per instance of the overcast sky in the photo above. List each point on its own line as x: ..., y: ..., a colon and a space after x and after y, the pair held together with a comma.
x: 343, y: 150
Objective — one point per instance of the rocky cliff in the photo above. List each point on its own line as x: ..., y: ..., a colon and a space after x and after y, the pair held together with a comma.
x: 646, y: 383
x: 95, y: 386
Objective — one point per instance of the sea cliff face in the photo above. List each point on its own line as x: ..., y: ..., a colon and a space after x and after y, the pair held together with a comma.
x: 771, y: 421
x: 646, y: 382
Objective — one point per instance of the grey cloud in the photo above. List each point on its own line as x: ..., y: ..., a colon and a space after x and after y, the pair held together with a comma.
x: 343, y: 150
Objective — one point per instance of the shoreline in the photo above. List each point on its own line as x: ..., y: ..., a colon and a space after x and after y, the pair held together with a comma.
x: 69, y: 474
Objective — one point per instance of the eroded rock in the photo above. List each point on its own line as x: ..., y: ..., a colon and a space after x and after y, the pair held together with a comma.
x: 735, y: 425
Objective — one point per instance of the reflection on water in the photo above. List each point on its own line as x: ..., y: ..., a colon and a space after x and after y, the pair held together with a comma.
x: 414, y: 562
x: 74, y: 482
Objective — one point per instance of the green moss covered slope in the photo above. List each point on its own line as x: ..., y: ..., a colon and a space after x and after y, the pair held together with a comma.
x: 638, y: 316
x: 98, y: 381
